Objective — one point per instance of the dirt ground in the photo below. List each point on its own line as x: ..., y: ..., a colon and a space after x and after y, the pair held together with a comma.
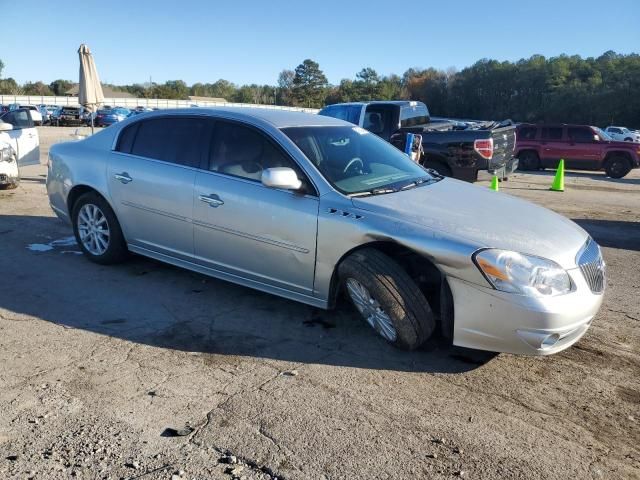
x: 144, y: 370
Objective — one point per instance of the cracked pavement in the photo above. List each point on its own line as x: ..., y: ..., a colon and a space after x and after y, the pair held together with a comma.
x: 97, y: 362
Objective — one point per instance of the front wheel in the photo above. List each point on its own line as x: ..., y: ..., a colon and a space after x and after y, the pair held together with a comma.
x: 618, y: 167
x: 387, y: 298
x: 97, y: 230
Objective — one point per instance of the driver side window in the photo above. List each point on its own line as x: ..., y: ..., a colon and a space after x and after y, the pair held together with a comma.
x: 244, y: 152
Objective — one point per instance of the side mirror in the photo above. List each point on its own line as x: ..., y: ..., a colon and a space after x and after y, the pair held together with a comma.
x: 5, y: 127
x: 281, y: 177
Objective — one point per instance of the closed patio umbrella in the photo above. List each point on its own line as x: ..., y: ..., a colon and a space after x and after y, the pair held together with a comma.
x: 90, y: 94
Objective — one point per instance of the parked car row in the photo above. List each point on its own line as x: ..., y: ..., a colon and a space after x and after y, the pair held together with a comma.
x: 66, y: 115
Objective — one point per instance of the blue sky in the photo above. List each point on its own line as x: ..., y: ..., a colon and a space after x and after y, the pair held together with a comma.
x: 252, y: 41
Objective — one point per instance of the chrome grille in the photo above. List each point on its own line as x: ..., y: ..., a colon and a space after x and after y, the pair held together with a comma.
x: 592, y: 266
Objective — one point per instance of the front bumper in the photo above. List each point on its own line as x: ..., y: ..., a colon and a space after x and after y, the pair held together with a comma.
x: 487, y: 319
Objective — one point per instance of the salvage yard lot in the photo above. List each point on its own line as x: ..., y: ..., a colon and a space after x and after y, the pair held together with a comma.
x: 97, y: 362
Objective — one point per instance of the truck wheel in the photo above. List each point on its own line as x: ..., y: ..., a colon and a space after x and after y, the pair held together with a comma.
x: 618, y: 167
x: 528, y: 161
x: 628, y: 139
x: 387, y: 298
x: 443, y: 170
x: 97, y: 230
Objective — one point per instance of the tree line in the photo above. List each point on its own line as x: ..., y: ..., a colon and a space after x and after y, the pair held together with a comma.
x: 596, y: 90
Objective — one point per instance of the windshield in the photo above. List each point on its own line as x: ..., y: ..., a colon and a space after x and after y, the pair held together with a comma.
x: 356, y: 161
x: 602, y: 134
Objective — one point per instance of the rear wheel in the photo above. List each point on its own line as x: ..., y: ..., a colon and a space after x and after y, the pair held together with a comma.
x: 97, y: 230
x: 618, y: 167
x: 387, y: 298
x: 528, y: 160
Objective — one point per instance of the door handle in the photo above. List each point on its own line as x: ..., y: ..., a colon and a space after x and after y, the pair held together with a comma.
x: 213, y: 200
x: 123, y: 177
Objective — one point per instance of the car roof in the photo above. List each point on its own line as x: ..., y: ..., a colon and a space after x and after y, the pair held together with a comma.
x: 384, y: 102
x: 276, y: 117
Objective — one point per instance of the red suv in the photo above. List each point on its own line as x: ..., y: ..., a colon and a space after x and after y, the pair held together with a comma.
x: 582, y: 147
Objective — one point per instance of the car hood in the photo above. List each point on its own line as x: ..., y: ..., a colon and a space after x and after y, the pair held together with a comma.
x: 482, y: 217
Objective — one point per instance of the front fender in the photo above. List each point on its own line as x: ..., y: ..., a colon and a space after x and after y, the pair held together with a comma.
x: 342, y: 228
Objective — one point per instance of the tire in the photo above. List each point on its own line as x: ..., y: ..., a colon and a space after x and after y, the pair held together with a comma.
x: 391, y: 292
x: 442, y: 169
x: 528, y: 160
x: 115, y: 250
x: 628, y: 139
x: 618, y: 166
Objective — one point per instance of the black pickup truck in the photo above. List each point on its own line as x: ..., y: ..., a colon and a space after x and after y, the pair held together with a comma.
x: 452, y: 148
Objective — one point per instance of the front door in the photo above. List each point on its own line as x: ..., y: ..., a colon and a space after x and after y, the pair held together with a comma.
x: 151, y: 178
x: 245, y: 229
x: 581, y: 150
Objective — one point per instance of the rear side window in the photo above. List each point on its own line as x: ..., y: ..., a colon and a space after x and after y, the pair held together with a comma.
x: 552, y: 133
x: 581, y: 134
x: 527, y: 133
x: 125, y: 141
x: 170, y: 139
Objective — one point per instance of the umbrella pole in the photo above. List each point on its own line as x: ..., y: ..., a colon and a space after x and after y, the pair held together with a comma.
x: 91, y: 123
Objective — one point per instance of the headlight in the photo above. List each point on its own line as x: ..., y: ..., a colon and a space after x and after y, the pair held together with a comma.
x: 6, y: 153
x: 517, y: 273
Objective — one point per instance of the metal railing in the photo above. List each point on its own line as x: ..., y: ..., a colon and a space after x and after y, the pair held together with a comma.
x: 138, y: 102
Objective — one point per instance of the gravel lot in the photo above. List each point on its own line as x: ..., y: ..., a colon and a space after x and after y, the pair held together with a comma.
x: 147, y: 371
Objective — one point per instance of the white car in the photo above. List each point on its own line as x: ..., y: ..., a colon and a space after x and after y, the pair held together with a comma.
x: 19, y: 145
x: 623, y: 134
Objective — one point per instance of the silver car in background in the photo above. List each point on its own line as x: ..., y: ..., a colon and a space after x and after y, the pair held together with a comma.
x: 309, y: 207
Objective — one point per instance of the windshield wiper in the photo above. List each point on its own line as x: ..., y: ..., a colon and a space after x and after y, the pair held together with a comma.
x: 375, y: 191
x: 415, y: 183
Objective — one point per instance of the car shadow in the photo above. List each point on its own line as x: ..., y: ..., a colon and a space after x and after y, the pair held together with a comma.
x: 612, y: 233
x: 155, y: 304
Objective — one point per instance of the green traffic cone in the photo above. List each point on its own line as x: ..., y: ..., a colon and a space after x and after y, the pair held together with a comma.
x: 494, y: 184
x: 558, y: 181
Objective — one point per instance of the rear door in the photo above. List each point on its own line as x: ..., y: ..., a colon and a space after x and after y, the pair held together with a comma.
x: 582, y: 150
x: 553, y: 145
x: 151, y: 177
x: 246, y: 230
x: 24, y: 137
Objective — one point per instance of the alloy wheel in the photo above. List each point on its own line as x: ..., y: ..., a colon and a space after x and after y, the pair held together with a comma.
x: 371, y: 310
x: 93, y: 229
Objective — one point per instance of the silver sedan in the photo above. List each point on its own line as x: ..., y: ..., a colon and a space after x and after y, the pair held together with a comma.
x: 310, y: 207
